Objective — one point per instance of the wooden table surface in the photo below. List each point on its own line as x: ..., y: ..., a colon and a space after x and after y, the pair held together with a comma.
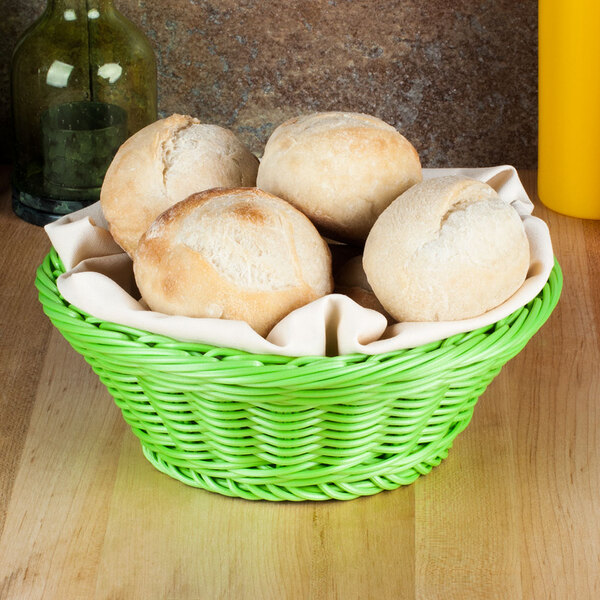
x: 513, y: 512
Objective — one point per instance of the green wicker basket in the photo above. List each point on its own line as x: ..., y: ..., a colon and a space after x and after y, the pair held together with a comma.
x: 280, y: 428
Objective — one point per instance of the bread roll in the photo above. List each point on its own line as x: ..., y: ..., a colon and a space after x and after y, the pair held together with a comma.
x: 447, y: 249
x: 237, y: 254
x: 340, y: 169
x: 164, y: 163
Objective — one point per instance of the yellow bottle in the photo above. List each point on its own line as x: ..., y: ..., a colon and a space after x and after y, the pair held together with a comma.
x: 569, y: 107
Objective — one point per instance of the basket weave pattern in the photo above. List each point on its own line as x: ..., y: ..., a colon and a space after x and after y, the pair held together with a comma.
x: 281, y: 428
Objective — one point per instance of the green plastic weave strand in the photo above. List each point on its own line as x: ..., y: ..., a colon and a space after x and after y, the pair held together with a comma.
x: 280, y: 428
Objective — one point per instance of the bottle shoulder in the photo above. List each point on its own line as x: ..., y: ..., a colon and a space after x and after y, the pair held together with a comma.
x: 33, y: 36
x: 117, y: 28
x: 109, y: 33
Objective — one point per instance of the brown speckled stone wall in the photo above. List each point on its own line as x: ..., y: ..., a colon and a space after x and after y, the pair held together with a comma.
x: 457, y: 77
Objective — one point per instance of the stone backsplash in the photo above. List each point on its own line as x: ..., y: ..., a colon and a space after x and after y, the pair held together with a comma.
x: 458, y: 78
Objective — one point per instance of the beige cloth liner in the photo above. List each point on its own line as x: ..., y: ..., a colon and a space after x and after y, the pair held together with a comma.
x: 99, y: 280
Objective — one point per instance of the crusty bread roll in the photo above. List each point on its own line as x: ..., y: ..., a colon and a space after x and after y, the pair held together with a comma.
x: 237, y: 254
x: 447, y: 249
x: 164, y: 163
x: 340, y: 169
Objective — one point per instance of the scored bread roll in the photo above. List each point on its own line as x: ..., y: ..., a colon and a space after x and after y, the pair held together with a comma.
x: 447, y: 249
x: 164, y: 163
x: 237, y: 254
x: 340, y: 169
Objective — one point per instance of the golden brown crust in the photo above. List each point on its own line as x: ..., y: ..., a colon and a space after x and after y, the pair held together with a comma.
x: 341, y: 169
x: 187, y: 261
x: 151, y: 172
x: 447, y: 249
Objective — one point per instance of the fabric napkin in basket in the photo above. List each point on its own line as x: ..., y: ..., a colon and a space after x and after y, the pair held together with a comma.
x: 99, y: 280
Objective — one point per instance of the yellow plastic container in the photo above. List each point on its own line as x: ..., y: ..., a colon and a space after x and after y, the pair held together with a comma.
x: 569, y: 107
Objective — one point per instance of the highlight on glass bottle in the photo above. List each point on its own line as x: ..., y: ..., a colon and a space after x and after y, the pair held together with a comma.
x: 83, y: 79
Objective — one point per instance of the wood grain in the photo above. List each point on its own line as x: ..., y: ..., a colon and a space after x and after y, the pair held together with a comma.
x: 512, y: 513
x: 23, y: 335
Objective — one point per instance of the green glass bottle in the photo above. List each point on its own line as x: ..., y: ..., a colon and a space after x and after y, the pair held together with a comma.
x: 83, y: 79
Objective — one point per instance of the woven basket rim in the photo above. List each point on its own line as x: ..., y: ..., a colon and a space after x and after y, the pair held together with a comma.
x: 52, y: 266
